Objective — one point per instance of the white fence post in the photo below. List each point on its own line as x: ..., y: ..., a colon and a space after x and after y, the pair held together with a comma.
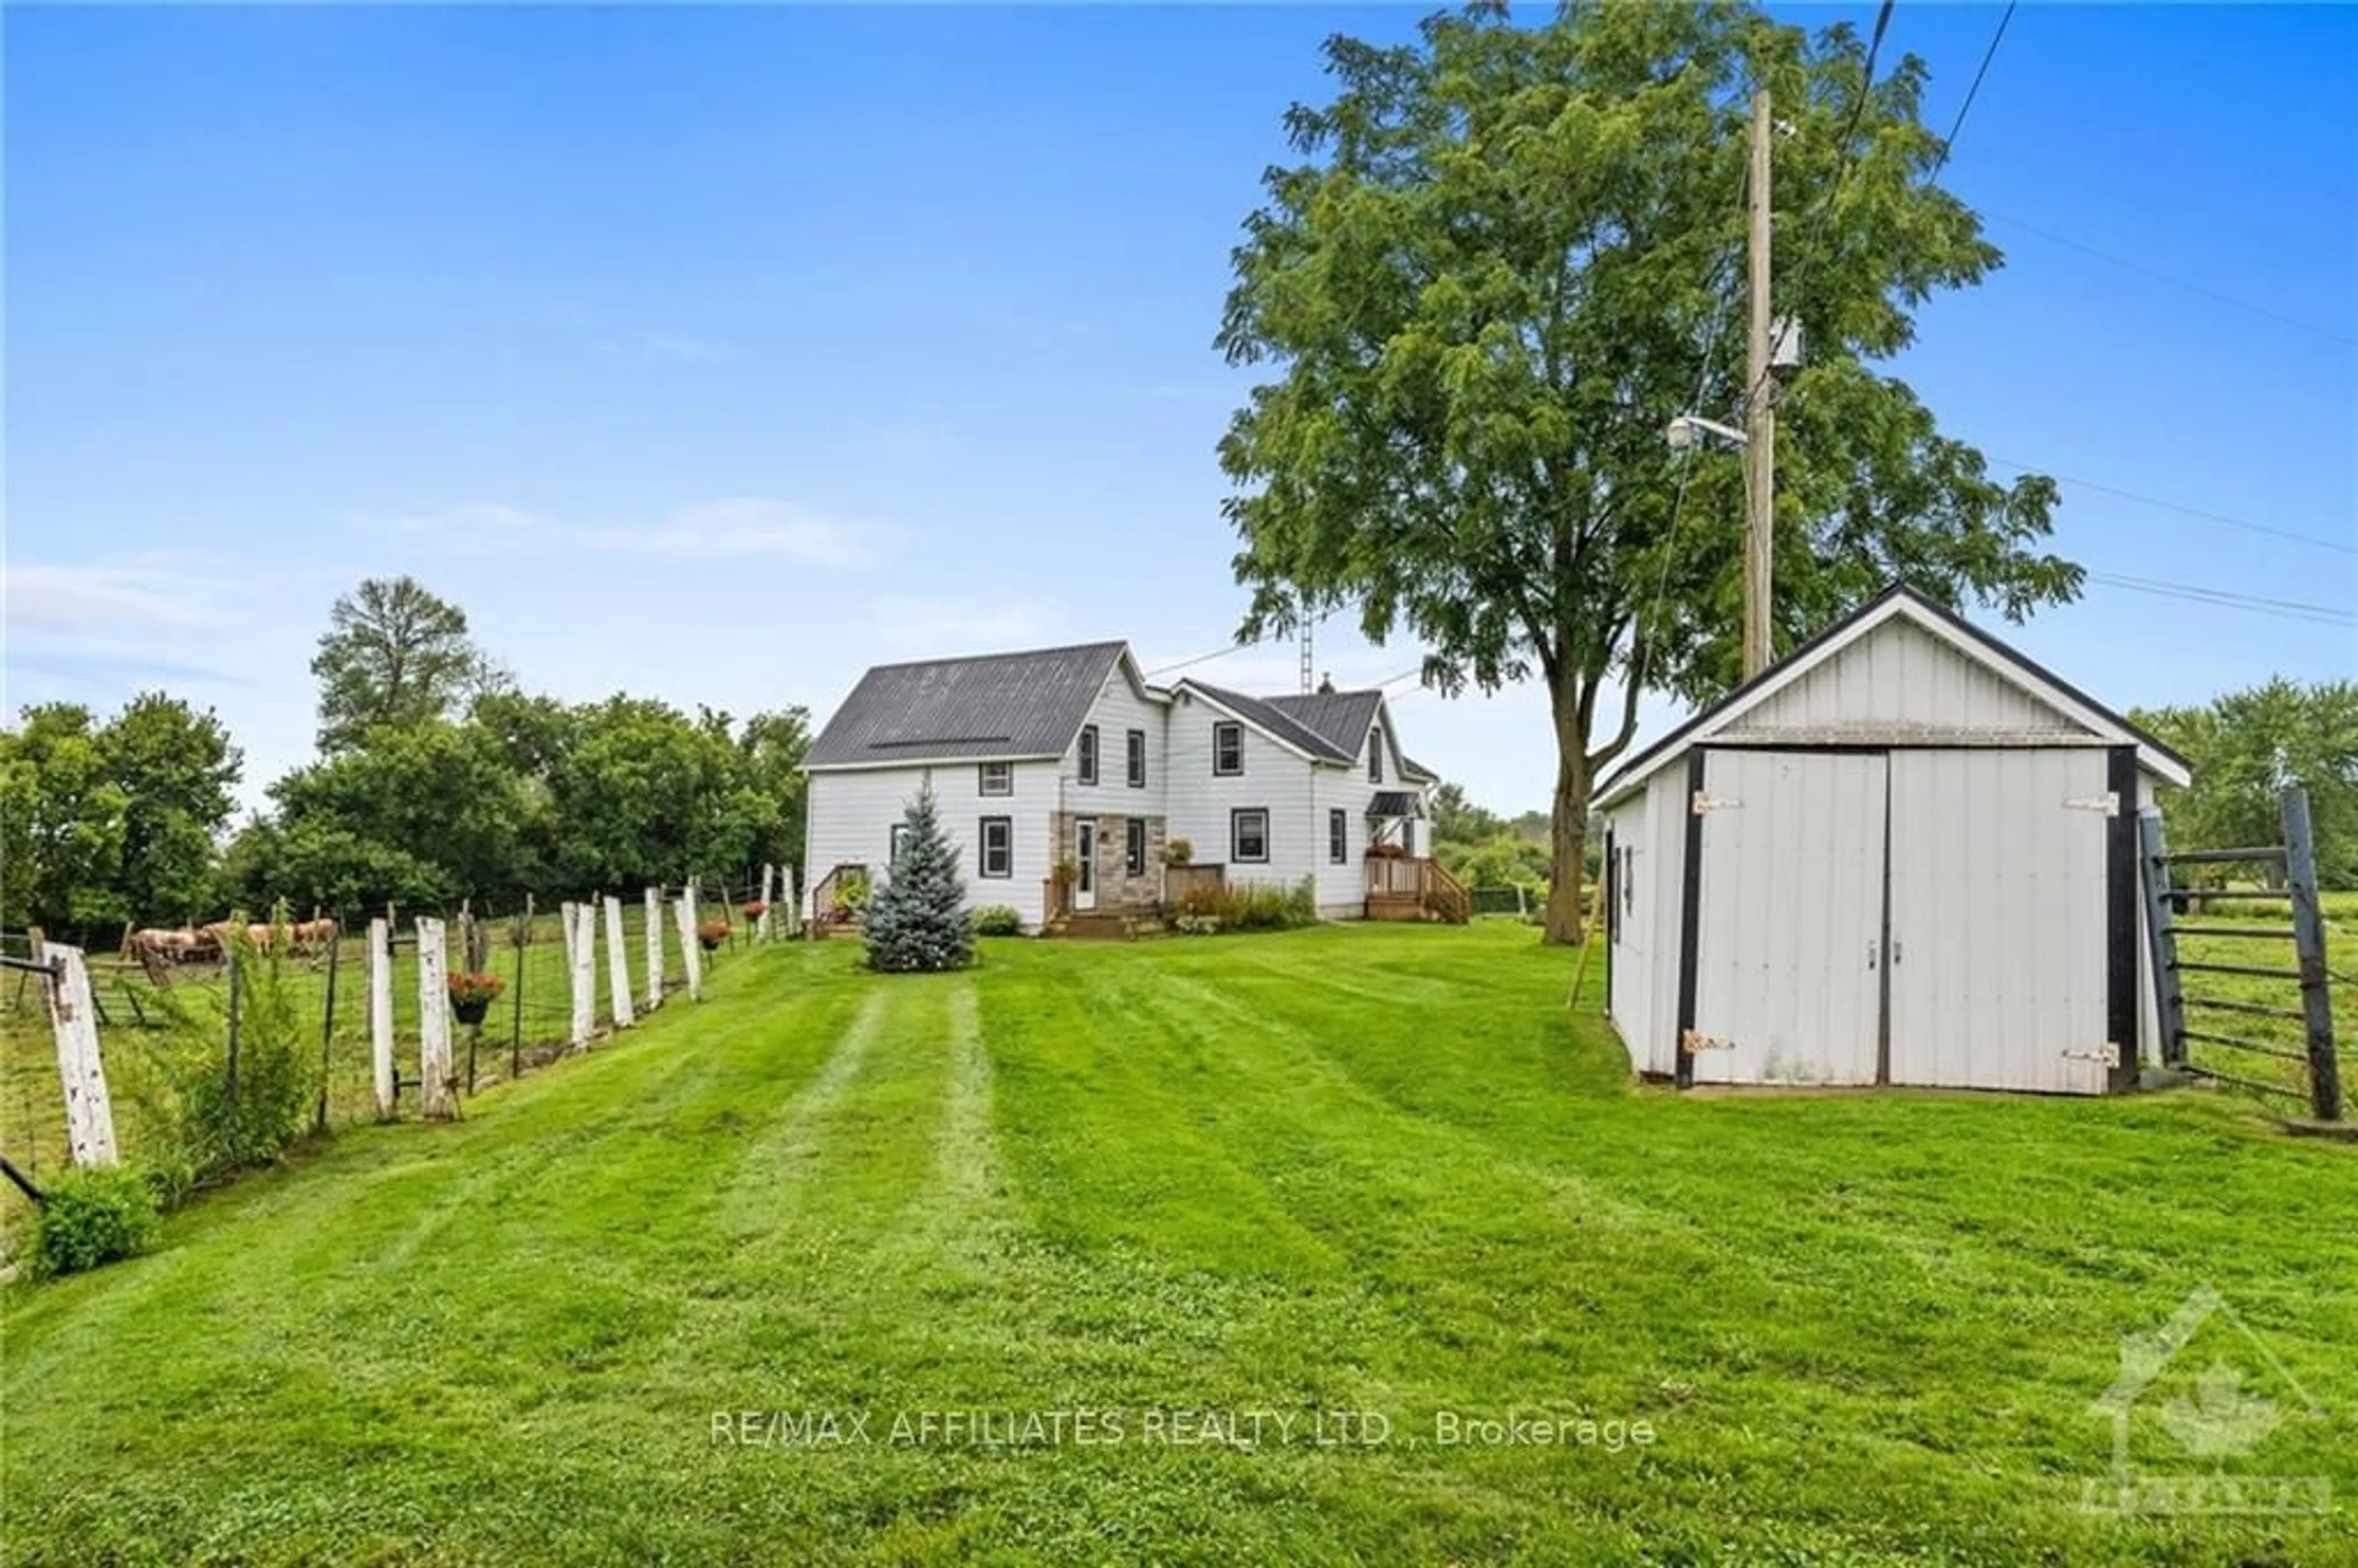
x: 794, y: 902
x: 565, y: 918
x: 618, y: 965
x: 691, y: 951
x: 380, y: 1014
x: 655, y: 947
x: 433, y: 1018
x: 73, y: 1018
x: 581, y: 954
x: 761, y: 926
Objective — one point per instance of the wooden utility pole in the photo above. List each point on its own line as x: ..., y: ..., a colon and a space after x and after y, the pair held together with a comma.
x: 1760, y: 409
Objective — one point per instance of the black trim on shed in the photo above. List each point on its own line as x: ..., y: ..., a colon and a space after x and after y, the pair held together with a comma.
x: 1690, y: 919
x: 2121, y: 916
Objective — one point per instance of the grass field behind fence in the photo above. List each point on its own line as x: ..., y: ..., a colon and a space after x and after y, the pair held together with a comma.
x: 32, y: 1114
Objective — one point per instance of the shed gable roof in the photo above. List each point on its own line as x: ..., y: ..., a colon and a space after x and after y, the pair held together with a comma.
x: 995, y: 706
x: 1901, y: 670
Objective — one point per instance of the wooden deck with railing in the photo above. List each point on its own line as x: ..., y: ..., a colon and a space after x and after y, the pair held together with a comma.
x: 1402, y: 888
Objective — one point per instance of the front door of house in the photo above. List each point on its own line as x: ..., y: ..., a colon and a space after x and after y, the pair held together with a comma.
x: 1085, y: 862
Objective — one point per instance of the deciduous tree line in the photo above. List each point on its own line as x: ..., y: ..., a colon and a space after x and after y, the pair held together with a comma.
x: 435, y: 780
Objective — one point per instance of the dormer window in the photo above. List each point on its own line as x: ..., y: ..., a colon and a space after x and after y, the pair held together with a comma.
x: 1375, y: 755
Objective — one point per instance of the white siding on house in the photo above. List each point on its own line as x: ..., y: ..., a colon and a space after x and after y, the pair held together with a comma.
x: 1199, y: 802
x: 1899, y: 681
x: 1118, y: 708
x: 1342, y: 890
x: 851, y: 816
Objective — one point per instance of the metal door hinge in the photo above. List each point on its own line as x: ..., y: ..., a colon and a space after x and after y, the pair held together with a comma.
x: 2110, y: 1056
x: 2109, y: 802
x: 1704, y: 803
x: 1693, y: 1042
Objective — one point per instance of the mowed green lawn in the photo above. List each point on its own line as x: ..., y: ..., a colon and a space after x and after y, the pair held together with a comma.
x: 1348, y: 1170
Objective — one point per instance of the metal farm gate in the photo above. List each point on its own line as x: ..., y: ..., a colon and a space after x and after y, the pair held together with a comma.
x: 2280, y: 1050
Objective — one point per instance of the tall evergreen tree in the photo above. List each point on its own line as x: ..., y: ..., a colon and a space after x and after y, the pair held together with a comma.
x: 916, y: 920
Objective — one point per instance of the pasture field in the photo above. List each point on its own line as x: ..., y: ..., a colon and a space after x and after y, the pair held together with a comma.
x: 1374, y: 1182
x: 140, y: 1062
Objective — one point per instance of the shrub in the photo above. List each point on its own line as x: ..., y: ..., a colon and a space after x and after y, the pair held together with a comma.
x: 1249, y: 906
x: 92, y: 1216
x: 1198, y: 925
x: 852, y: 893
x: 1179, y: 852
x: 996, y: 920
x: 250, y: 1119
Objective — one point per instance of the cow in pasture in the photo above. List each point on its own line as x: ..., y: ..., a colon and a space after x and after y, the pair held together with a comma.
x: 171, y: 946
x: 312, y: 935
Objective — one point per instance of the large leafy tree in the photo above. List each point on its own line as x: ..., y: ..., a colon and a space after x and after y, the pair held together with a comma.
x: 176, y: 768
x: 392, y: 655
x: 433, y: 794
x: 64, y: 826
x: 2245, y: 747
x: 1501, y: 266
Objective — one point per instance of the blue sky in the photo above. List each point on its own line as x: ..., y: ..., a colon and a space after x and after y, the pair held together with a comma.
x: 716, y: 354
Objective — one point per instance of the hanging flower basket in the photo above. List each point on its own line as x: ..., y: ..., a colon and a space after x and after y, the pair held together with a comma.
x: 472, y: 995
x: 753, y: 909
x: 712, y: 933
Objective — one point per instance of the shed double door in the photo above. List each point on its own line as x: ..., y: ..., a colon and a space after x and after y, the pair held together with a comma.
x: 1923, y: 917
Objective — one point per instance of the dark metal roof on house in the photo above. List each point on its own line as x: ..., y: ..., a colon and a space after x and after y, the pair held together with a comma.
x: 1394, y: 803
x: 1265, y: 713
x: 1342, y: 718
x: 997, y: 705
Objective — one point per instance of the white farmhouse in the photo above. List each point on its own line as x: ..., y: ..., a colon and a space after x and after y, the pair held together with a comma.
x: 1064, y: 779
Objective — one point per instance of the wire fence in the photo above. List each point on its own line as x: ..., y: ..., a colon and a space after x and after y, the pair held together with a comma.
x: 161, y: 1022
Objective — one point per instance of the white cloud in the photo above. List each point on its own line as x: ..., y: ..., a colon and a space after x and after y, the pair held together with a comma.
x: 111, y: 605
x: 730, y: 527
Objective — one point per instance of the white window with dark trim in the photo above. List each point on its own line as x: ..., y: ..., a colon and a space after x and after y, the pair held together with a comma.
x: 1133, y: 847
x: 996, y: 855
x: 995, y: 778
x: 1338, y: 837
x: 1088, y: 753
x: 1375, y: 755
x: 1249, y: 834
x: 1228, y: 748
x: 1137, y: 759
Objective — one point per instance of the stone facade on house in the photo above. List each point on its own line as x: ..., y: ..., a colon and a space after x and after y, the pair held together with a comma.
x: 1116, y: 887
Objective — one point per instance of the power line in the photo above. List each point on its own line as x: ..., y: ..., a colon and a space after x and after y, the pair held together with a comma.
x: 2316, y: 541
x: 1949, y: 144
x: 1220, y: 653
x: 2283, y: 609
x: 2332, y: 333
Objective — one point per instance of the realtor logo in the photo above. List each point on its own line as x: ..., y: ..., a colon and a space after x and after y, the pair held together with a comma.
x: 2216, y: 1392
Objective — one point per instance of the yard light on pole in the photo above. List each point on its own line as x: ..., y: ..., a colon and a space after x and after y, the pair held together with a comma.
x: 1689, y: 428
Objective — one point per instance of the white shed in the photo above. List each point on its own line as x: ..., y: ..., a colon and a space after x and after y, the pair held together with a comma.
x: 1905, y: 854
